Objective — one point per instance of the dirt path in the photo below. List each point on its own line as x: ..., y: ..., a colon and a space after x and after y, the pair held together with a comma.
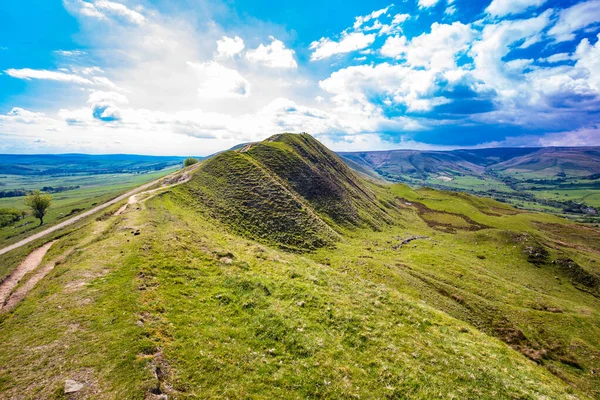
x: 94, y: 210
x: 133, y: 199
x: 9, y: 298
x: 19, y: 294
x: 31, y: 262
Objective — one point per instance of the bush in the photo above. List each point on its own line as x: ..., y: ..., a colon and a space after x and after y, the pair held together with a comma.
x: 190, y: 161
x: 9, y: 216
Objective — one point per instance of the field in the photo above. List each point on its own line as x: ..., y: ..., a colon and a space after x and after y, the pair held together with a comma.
x: 84, y: 189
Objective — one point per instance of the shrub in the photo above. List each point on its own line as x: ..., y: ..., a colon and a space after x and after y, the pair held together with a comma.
x: 190, y: 161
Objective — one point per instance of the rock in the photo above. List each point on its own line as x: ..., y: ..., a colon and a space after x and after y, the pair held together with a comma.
x: 72, y: 386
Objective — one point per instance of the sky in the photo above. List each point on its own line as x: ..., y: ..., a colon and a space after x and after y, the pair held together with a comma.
x: 194, y: 77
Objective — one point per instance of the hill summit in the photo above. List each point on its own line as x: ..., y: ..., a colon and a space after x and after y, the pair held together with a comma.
x: 289, y: 190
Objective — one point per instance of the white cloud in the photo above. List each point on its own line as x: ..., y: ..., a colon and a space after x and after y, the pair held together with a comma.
x: 103, y: 9
x: 588, y: 59
x: 217, y: 81
x: 502, y: 8
x: 555, y: 58
x: 436, y: 50
x: 23, y: 116
x: 401, y: 84
x: 70, y: 53
x: 496, y: 43
x: 229, y: 47
x: 325, y: 47
x: 84, y: 8
x: 427, y: 3
x: 359, y: 21
x: 28, y: 74
x: 575, y: 18
x: 450, y: 10
x: 113, y: 97
x: 274, y: 55
x: 120, y: 10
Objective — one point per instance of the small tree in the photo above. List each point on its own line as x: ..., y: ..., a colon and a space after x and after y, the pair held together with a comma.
x: 190, y: 161
x: 39, y: 204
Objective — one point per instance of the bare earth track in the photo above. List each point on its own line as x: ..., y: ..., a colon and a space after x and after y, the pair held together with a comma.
x: 10, y: 297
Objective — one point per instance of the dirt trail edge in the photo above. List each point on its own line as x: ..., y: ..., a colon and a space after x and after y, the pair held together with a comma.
x: 30, y: 263
x: 19, y: 294
x: 79, y: 217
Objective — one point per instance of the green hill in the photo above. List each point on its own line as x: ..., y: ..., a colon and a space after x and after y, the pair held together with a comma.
x: 388, y: 292
x: 289, y: 190
x: 562, y: 180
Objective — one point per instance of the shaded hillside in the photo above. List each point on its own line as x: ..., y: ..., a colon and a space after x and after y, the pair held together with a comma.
x: 289, y: 190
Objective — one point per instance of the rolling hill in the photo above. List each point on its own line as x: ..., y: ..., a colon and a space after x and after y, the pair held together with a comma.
x: 564, y: 180
x: 278, y: 272
x: 547, y: 161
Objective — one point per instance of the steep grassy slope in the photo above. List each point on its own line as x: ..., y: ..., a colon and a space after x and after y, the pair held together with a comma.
x: 289, y: 190
x: 240, y: 192
x: 399, y: 294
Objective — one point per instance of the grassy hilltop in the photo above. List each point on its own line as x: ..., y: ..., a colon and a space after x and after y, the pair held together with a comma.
x: 279, y: 272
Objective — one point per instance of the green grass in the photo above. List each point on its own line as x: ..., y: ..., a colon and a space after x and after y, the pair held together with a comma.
x: 95, y: 190
x: 224, y: 317
x: 200, y: 305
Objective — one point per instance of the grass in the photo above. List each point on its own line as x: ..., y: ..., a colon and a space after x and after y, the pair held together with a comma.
x: 200, y: 305
x: 224, y: 317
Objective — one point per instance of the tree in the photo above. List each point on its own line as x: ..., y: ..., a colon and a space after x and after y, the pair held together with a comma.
x: 39, y: 204
x: 190, y: 161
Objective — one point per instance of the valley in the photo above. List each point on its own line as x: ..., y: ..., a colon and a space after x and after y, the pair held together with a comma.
x: 563, y: 181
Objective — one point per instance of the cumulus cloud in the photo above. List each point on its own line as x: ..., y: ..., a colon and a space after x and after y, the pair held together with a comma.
x: 502, y: 8
x: 575, y: 18
x: 349, y: 42
x: 437, y: 49
x: 274, y: 55
x: 360, y: 20
x: 556, y: 58
x: 229, y: 47
x: 217, y: 81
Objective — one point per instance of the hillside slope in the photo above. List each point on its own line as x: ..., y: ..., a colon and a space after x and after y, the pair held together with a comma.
x: 289, y: 190
x: 401, y: 293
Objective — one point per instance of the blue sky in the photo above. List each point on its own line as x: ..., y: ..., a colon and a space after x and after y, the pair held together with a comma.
x: 196, y: 76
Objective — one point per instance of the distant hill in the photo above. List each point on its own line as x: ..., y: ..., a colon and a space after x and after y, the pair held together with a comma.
x: 563, y: 180
x: 550, y: 161
x: 61, y: 164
